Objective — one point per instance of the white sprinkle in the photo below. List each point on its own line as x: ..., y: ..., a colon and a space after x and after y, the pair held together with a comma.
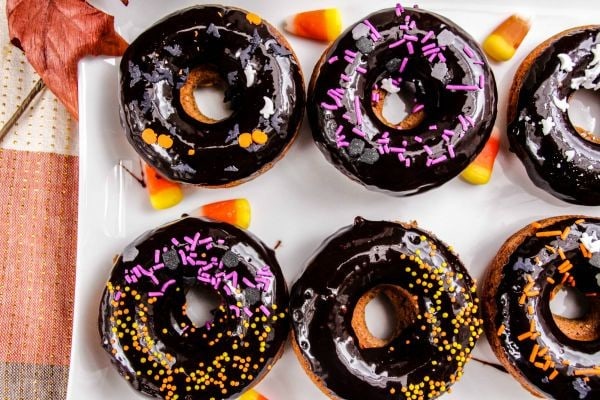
x: 570, y: 154
x: 563, y: 105
x: 250, y: 73
x: 268, y: 109
x: 596, y: 53
x: 547, y: 125
x: 590, y: 242
x: 592, y: 72
x: 566, y: 64
x: 388, y: 85
x: 445, y: 38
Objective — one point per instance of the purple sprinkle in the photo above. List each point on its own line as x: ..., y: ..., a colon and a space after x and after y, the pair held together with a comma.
x: 478, y: 62
x: 248, y: 282
x: 357, y: 110
x: 175, y: 241
x: 470, y: 120
x: 381, y: 150
x: 361, y: 70
x: 370, y: 25
x: 203, y: 277
x: 329, y: 106
x: 431, y: 51
x: 451, y: 151
x: 346, y: 78
x: 407, y: 19
x: 449, y: 132
x: 220, y: 241
x: 342, y: 144
x: 117, y: 295
x: 264, y: 310
x: 236, y: 310
x: 341, y: 91
x: 247, y: 311
x: 204, y: 241
x: 468, y: 51
x: 427, y: 149
x: 396, y: 44
x: 418, y: 139
x: 429, y: 46
x: 166, y: 285
x: 136, y: 271
x: 432, y: 57
x: 207, y: 326
x: 385, y: 135
x: 358, y: 132
x: 156, y: 256
x: 463, y: 122
x: 333, y: 95
x: 233, y: 277
x: 413, y: 24
x: 441, y: 57
x: 403, y: 64
x: 333, y: 59
x: 155, y: 294
x: 375, y: 97
x: 411, y: 49
x: 383, y: 141
x: 407, y: 162
x: 399, y: 9
x: 412, y: 38
x: 350, y: 53
x: 404, y: 27
x: 191, y: 260
x: 347, y: 117
x: 446, y: 138
x: 401, y: 157
x: 374, y: 37
x: 128, y: 279
x: 432, y: 127
x: 418, y: 108
x: 349, y: 59
x: 339, y: 130
x: 439, y: 160
x: 468, y: 88
x: 427, y: 36
x: 428, y: 163
x: 481, y: 81
x: 397, y: 150
x: 227, y: 290
x: 183, y: 257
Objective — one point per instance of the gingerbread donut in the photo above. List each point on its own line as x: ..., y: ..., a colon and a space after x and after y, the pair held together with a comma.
x: 145, y: 329
x: 433, y: 296
x: 421, y: 55
x: 560, y: 158
x: 207, y: 46
x: 551, y: 356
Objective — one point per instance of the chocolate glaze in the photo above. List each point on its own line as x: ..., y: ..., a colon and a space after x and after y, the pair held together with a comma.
x: 561, y: 162
x: 137, y: 322
x: 516, y: 320
x: 157, y: 64
x: 461, y: 62
x: 349, y: 264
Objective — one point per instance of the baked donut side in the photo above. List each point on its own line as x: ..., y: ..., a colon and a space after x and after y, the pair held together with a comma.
x: 550, y: 356
x: 211, y: 46
x: 145, y: 327
x: 434, y: 302
x: 428, y: 59
x: 539, y: 129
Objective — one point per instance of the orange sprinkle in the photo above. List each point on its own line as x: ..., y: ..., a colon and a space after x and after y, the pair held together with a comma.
x: 580, y: 221
x: 550, y: 280
x: 529, y: 278
x: 533, y: 293
x: 561, y: 253
x: 565, y: 277
x: 528, y: 287
x: 565, y: 233
x: 546, y: 365
x: 539, y: 365
x: 530, y: 309
x: 537, y: 260
x: 534, y: 352
x: 522, y: 299
x: 535, y: 335
x: 532, y: 326
x: 587, y: 371
x: 253, y: 19
x: 524, y: 336
x: 551, y: 249
x: 564, y: 264
x: 149, y: 136
x: 553, y: 375
x: 548, y: 233
x: 543, y: 351
x: 501, y: 330
x: 584, y: 251
x: 536, y: 225
x: 165, y: 141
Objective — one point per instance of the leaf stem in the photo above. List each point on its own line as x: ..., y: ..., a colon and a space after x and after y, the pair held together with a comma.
x: 37, y: 89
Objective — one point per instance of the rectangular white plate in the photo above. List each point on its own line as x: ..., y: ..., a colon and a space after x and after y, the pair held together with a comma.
x: 302, y: 199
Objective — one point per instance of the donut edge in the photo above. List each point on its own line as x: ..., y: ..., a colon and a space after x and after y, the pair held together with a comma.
x: 491, y: 283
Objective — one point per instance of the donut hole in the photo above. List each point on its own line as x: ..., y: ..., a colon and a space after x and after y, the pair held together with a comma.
x: 202, y: 96
x: 381, y: 314
x: 398, y: 110
x: 577, y: 316
x: 584, y: 114
x: 201, y: 302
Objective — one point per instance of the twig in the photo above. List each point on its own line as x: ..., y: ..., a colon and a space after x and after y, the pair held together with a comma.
x: 37, y: 88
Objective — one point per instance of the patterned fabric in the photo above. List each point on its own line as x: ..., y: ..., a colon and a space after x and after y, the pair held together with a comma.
x: 38, y: 209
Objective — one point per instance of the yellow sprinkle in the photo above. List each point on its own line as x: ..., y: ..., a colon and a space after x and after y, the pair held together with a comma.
x: 550, y: 280
x: 191, y: 152
x: 565, y: 233
x: 165, y: 141
x: 501, y: 330
x: 551, y: 249
x: 548, y: 233
x: 149, y: 136
x: 245, y: 140
x: 259, y: 137
x: 253, y: 19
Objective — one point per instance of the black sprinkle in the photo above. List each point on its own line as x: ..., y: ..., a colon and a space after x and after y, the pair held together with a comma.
x: 369, y: 156
x: 230, y: 259
x: 365, y: 45
x: 393, y: 65
x: 356, y: 147
x: 253, y: 296
x: 171, y: 259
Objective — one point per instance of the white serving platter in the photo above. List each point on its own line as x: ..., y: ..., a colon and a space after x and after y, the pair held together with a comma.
x: 303, y: 199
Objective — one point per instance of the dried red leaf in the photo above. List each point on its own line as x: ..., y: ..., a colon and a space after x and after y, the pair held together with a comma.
x: 56, y: 34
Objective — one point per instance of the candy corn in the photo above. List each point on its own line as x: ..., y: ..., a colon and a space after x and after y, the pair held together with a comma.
x: 252, y: 395
x: 324, y: 25
x: 479, y: 171
x: 236, y: 212
x: 163, y: 193
x: 503, y: 42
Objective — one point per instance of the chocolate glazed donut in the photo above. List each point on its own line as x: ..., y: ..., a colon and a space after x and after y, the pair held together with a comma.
x: 433, y: 296
x: 550, y: 355
x: 417, y: 53
x: 559, y: 158
x: 206, y: 46
x: 144, y: 324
